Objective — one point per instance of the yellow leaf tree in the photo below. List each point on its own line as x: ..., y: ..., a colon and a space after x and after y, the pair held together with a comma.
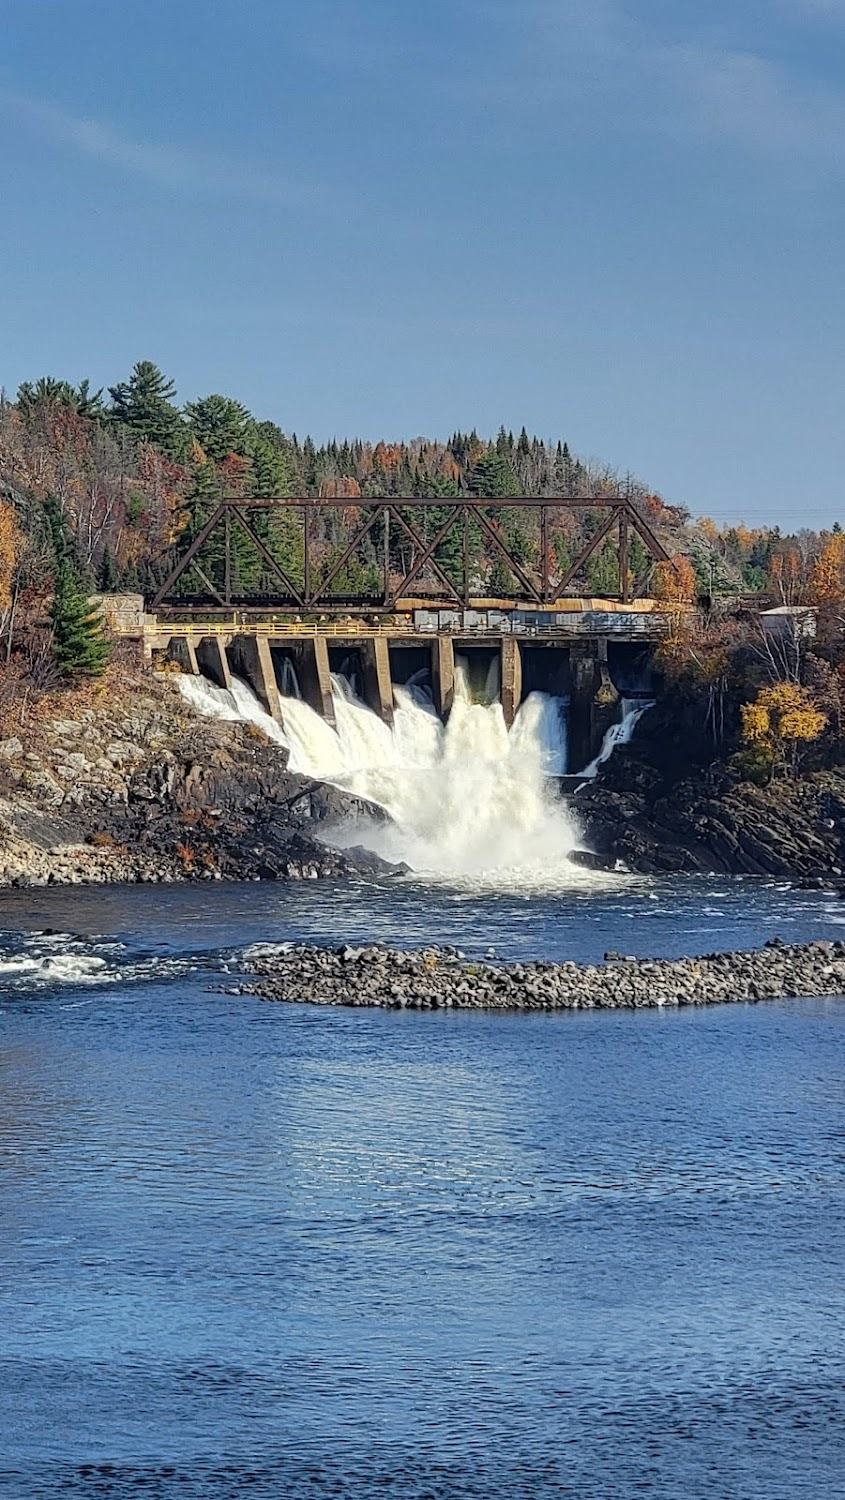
x: 12, y: 548
x: 777, y: 727
x: 827, y: 580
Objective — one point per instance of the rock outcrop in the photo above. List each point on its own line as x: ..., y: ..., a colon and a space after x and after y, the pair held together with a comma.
x: 657, y: 813
x: 135, y: 786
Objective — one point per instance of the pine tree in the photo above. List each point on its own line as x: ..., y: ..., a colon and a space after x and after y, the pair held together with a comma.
x: 280, y: 530
x: 108, y: 572
x: 144, y: 404
x: 79, y: 645
x: 220, y: 425
x: 493, y: 476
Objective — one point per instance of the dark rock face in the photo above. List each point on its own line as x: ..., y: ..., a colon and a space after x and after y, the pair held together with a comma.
x: 129, y: 784
x: 656, y: 813
x: 435, y: 978
x: 239, y: 813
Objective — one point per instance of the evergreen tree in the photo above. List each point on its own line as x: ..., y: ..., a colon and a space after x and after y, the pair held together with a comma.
x: 108, y: 572
x: 144, y: 404
x: 280, y: 530
x: 79, y: 645
x: 602, y: 571
x: 493, y: 476
x: 220, y: 425
x: 202, y: 499
x: 500, y: 584
x: 562, y: 554
x: 32, y: 394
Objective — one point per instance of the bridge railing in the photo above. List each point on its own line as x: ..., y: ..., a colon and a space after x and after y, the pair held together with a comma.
x: 569, y: 626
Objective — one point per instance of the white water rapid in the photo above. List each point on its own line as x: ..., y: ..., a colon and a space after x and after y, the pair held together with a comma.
x: 619, y: 733
x: 467, y: 801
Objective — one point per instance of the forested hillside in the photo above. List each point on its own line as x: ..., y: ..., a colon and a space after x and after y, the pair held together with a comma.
x: 99, y: 488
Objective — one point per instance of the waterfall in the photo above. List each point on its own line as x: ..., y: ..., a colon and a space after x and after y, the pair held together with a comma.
x: 468, y: 800
x: 238, y: 704
x: 288, y: 680
x: 619, y: 733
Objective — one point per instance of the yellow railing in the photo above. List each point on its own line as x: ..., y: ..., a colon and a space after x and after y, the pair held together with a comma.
x: 567, y: 625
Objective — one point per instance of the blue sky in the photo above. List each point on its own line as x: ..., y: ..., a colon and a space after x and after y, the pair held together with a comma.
x: 618, y: 224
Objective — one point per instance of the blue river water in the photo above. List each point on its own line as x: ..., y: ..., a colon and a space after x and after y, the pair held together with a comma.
x: 266, y: 1250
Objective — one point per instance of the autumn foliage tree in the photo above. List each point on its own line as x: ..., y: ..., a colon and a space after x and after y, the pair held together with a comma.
x: 777, y: 726
x: 12, y: 547
x: 827, y: 579
x: 674, y: 581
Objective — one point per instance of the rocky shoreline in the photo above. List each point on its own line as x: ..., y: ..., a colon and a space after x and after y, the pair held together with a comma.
x: 444, y: 978
x: 125, y: 784
x: 666, y: 804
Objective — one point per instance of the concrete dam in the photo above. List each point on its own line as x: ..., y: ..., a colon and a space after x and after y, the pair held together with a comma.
x: 589, y: 673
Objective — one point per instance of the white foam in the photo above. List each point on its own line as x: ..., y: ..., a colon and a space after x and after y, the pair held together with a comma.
x: 64, y: 968
x: 467, y: 800
x: 237, y: 705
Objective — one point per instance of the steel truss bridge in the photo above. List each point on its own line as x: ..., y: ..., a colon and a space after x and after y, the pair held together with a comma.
x: 423, y: 529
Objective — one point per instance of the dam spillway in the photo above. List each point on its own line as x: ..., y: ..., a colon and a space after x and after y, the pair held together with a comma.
x: 468, y: 799
x: 463, y: 741
x: 592, y: 663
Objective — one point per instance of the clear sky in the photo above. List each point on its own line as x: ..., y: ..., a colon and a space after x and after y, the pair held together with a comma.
x: 619, y: 224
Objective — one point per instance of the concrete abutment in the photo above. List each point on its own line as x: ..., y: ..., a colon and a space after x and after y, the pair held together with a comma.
x: 510, y: 677
x: 443, y: 674
x: 311, y: 660
x: 378, y: 688
x: 180, y: 649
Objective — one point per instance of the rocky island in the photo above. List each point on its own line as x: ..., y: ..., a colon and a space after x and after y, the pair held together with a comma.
x: 444, y: 978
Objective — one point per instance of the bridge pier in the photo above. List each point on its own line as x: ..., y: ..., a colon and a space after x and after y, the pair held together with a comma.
x: 586, y: 681
x: 443, y: 674
x: 180, y: 648
x: 212, y: 661
x: 511, y: 678
x: 251, y: 659
x: 311, y: 658
x: 378, y: 688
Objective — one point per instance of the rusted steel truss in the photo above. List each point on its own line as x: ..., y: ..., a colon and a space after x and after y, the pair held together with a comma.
x: 317, y: 592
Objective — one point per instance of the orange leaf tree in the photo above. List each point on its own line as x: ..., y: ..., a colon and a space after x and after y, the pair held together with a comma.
x: 674, y: 581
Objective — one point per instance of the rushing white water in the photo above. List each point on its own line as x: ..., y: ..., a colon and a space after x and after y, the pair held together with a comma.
x: 619, y: 733
x: 468, y: 799
x: 238, y: 704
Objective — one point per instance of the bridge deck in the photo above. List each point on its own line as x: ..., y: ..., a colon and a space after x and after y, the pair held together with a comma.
x: 570, y: 627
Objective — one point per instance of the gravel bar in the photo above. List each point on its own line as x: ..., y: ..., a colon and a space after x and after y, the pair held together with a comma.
x: 444, y: 978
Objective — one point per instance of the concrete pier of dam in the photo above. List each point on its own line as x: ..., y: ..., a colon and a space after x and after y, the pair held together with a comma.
x: 590, y: 672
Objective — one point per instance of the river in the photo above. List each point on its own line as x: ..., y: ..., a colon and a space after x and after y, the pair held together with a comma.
x: 252, y: 1249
